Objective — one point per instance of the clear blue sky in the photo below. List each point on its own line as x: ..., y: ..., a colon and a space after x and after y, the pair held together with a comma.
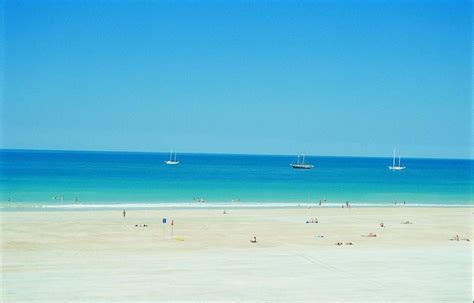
x: 320, y: 77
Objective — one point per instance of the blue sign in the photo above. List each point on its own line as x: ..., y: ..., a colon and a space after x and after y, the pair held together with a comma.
x: 164, y: 221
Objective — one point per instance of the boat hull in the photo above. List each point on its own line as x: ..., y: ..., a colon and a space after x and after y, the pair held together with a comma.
x: 301, y: 166
x: 396, y: 167
x: 171, y: 162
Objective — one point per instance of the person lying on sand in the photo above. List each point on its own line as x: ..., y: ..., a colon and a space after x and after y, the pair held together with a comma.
x: 254, y: 240
x: 456, y: 238
x: 338, y: 243
x: 369, y: 235
x: 349, y: 243
x: 406, y: 222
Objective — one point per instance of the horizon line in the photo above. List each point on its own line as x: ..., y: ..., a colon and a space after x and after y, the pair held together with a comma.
x: 217, y: 153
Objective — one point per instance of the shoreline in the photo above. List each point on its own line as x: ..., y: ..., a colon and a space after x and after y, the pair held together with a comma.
x: 217, y: 205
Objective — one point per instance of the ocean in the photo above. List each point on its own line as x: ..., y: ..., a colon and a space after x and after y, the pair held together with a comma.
x: 73, y: 179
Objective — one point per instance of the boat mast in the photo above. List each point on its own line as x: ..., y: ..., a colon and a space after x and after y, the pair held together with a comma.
x: 171, y: 154
x: 393, y: 160
x: 399, y: 160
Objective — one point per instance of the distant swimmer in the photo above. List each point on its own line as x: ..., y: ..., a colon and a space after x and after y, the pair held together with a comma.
x: 124, y: 213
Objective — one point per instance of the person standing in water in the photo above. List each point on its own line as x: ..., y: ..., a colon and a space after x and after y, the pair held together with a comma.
x: 124, y: 213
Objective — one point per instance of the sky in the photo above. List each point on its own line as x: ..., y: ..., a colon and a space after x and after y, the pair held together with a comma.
x: 350, y: 78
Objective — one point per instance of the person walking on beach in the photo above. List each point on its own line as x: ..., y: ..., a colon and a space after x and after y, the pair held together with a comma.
x: 124, y: 213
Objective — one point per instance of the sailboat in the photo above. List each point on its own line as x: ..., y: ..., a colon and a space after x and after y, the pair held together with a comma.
x: 301, y: 165
x: 172, y: 161
x: 396, y: 167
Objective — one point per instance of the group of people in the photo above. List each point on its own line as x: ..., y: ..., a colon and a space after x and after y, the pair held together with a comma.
x: 315, y: 220
x: 340, y: 243
x: 347, y: 205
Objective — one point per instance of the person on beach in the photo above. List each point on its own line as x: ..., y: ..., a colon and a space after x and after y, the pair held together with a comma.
x: 382, y: 225
x: 254, y: 240
x: 124, y: 213
x: 369, y: 235
x: 224, y: 212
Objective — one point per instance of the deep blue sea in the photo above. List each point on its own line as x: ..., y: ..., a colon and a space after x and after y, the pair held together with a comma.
x: 69, y: 179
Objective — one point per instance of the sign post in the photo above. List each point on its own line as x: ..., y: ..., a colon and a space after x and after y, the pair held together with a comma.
x: 172, y: 226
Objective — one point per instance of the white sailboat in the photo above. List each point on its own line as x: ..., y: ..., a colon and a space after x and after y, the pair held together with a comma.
x: 396, y: 167
x: 172, y: 161
x: 300, y: 164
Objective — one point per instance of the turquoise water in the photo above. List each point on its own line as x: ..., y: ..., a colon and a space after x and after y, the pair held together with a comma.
x: 104, y: 179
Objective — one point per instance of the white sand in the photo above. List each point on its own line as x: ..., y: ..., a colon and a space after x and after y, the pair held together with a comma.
x: 98, y: 256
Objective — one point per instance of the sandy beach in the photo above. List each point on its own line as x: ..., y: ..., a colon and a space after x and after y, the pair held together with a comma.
x: 98, y: 256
